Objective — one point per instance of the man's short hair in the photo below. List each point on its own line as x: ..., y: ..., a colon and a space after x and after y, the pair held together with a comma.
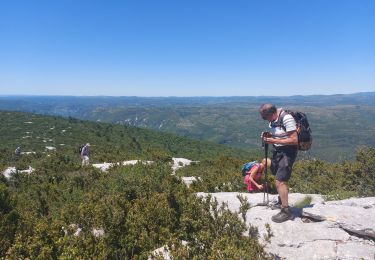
x: 266, y: 110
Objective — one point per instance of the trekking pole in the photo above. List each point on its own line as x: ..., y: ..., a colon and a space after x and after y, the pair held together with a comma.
x: 265, y: 182
x: 265, y: 189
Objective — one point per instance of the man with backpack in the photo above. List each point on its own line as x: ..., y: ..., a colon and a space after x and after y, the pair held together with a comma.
x: 284, y: 139
x: 85, y: 154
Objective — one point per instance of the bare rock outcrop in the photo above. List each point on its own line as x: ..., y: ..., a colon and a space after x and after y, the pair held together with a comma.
x: 321, y: 230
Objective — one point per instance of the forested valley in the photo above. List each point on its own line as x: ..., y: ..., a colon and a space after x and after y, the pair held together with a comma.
x: 62, y: 210
x: 340, y: 123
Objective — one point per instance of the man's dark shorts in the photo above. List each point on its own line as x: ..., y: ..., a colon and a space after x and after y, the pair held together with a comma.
x: 282, y: 162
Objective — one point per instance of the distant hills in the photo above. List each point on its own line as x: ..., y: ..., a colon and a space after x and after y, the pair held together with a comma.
x: 109, y: 142
x: 340, y: 123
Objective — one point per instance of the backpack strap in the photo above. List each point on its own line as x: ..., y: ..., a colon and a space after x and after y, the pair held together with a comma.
x: 255, y: 164
x: 259, y: 170
x: 280, y: 118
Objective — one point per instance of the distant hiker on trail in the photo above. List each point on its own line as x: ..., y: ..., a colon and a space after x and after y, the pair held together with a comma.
x: 85, y: 154
x: 254, y: 175
x: 18, y: 151
x: 284, y: 139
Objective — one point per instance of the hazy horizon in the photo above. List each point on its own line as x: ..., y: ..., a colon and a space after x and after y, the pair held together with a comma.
x: 41, y: 95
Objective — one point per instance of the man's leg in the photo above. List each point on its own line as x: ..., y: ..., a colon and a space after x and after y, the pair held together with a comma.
x: 282, y: 189
x: 282, y: 176
x: 86, y: 160
x: 285, y: 213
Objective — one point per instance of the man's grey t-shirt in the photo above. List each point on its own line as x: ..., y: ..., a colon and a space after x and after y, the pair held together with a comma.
x: 278, y: 132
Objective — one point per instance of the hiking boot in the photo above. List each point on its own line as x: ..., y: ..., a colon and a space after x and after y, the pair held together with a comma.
x: 284, y: 215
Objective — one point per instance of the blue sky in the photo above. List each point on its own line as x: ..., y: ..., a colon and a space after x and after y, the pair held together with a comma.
x: 187, y: 47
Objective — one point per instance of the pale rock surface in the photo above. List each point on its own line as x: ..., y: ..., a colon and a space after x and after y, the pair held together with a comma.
x: 163, y: 252
x: 106, y: 166
x: 103, y: 166
x: 28, y: 152
x: 96, y: 232
x: 11, y: 170
x: 179, y: 163
x: 318, y: 231
x: 189, y: 180
x: 182, y: 162
x: 352, y: 215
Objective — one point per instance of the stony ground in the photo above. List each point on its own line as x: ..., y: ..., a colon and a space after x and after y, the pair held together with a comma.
x: 321, y: 230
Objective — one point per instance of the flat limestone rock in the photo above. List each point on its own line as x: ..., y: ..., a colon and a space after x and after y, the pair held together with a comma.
x: 321, y: 230
x: 350, y: 216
